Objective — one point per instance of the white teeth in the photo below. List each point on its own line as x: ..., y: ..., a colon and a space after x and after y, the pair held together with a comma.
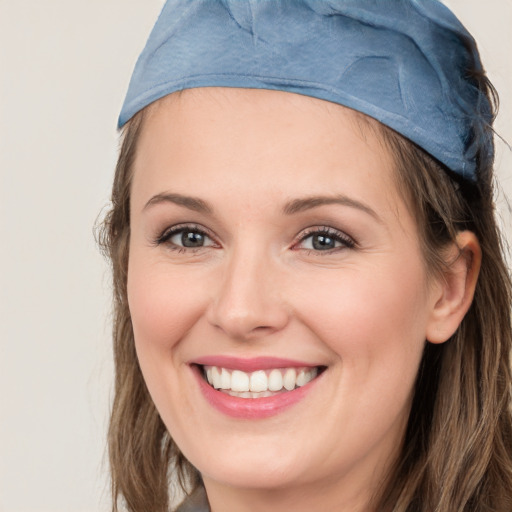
x: 260, y: 383
x: 239, y: 381
x: 275, y: 380
x: 216, y: 377
x: 225, y: 379
x: 250, y: 394
x: 301, y: 378
x: 289, y: 379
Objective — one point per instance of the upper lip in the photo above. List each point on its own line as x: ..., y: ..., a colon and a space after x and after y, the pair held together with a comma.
x: 250, y: 364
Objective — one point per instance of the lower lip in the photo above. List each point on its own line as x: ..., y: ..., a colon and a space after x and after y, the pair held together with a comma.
x: 251, y: 408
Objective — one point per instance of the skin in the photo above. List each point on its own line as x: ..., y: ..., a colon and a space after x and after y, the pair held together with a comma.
x: 258, y: 288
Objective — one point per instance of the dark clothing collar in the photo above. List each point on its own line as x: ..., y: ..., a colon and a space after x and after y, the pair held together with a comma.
x: 196, y: 502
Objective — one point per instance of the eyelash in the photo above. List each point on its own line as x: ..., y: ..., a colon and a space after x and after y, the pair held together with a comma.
x: 333, y: 234
x: 338, y: 236
x: 166, y: 236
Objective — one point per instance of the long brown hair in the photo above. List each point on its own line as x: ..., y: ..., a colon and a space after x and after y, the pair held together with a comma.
x: 457, y: 454
x: 141, y: 452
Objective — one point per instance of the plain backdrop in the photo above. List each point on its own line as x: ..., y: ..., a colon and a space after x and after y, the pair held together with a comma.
x: 64, y: 69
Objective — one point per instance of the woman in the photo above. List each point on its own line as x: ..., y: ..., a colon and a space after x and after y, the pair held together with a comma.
x: 311, y: 303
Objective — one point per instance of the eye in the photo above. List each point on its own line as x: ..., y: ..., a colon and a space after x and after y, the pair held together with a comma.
x: 185, y: 237
x: 324, y: 240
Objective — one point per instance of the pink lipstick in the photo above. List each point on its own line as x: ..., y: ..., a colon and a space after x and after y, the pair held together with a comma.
x: 254, y: 388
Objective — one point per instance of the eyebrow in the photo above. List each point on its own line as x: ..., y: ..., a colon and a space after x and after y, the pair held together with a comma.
x: 307, y: 203
x: 192, y: 203
x: 290, y: 208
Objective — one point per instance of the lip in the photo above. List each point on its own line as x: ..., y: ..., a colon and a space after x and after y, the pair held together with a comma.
x: 250, y: 408
x: 250, y: 364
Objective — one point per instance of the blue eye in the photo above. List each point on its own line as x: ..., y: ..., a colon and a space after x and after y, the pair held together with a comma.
x: 185, y: 237
x: 320, y: 242
x: 325, y: 239
x: 190, y: 239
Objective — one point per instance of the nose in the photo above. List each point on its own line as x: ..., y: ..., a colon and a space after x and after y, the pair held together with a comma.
x: 248, y: 302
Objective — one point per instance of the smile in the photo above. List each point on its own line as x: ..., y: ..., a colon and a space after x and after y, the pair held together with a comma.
x: 260, y: 383
x: 254, y: 388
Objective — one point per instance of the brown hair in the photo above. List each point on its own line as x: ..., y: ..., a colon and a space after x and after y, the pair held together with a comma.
x: 457, y: 454
x: 141, y: 452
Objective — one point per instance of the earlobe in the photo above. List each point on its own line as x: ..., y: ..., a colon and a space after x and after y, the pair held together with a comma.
x: 455, y: 288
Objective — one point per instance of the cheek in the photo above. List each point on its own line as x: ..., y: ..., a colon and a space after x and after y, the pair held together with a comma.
x: 164, y: 307
x: 163, y: 304
x: 373, y: 319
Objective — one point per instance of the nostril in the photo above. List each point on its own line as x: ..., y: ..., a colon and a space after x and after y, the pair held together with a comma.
x: 263, y: 330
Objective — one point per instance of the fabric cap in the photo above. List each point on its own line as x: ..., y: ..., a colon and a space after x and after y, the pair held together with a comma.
x: 406, y: 63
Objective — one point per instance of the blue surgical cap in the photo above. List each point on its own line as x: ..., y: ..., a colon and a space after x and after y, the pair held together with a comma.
x: 407, y: 63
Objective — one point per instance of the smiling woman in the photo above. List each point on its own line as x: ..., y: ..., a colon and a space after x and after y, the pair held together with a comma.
x: 309, y: 285
x: 312, y: 308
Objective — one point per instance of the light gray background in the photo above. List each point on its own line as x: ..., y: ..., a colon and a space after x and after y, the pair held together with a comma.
x: 64, y: 68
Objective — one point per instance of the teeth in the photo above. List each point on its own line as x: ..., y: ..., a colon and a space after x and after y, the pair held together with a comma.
x: 239, y: 381
x: 290, y: 377
x: 260, y: 383
x: 301, y: 378
x: 216, y: 377
x: 275, y: 380
x: 249, y: 394
x: 225, y: 379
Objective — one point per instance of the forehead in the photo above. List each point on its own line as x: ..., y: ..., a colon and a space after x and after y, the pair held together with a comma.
x: 261, y: 143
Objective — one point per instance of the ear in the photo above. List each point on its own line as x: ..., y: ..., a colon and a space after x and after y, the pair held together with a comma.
x: 455, y: 288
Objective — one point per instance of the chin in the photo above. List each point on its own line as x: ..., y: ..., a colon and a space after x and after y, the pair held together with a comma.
x: 252, y: 469
x: 245, y: 474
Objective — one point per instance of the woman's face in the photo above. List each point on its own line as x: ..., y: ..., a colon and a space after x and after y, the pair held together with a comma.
x: 269, y: 244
